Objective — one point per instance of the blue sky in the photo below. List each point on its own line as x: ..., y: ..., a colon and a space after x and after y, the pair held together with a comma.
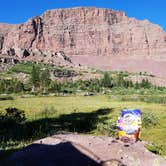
x: 18, y: 11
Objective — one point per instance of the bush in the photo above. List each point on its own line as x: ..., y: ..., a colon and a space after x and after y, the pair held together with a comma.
x: 145, y: 84
x: 48, y: 112
x: 54, y: 87
x: 149, y: 120
x: 6, y: 98
x: 155, y: 148
x: 11, y: 86
x: 35, y: 76
x: 156, y: 99
x: 108, y: 127
x: 22, y: 68
x: 107, y: 81
x: 11, y: 123
x: 15, y: 115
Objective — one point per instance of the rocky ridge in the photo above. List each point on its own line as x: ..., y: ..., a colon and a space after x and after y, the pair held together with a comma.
x: 91, y: 36
x: 37, y: 56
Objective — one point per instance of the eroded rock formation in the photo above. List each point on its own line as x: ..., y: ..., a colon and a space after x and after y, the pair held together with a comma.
x: 85, y: 33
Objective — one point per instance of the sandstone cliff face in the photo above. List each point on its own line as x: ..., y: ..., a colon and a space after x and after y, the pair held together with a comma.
x: 87, y: 32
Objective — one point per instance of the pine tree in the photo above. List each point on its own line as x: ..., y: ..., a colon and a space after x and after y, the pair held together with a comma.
x: 35, y: 77
x: 45, y: 78
x: 107, y: 80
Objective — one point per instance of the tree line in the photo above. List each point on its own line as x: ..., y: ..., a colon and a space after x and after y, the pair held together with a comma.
x: 40, y: 81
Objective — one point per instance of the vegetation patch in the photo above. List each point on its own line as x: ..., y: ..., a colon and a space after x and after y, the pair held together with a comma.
x: 159, y: 99
x: 43, y: 106
x: 97, y: 115
x: 155, y: 148
x: 149, y: 120
x: 6, y: 98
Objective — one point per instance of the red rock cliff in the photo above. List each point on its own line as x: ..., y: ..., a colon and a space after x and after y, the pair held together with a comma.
x: 87, y: 32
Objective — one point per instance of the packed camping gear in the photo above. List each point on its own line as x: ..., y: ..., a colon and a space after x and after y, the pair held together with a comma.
x: 129, y: 124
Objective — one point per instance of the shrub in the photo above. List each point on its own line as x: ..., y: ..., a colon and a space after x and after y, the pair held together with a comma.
x: 108, y: 127
x: 45, y: 77
x: 6, y: 98
x: 11, y: 123
x: 48, y: 112
x: 149, y: 120
x: 35, y: 76
x: 54, y: 87
x: 145, y: 84
x: 15, y: 115
x: 11, y: 86
x: 155, y: 148
x: 107, y: 81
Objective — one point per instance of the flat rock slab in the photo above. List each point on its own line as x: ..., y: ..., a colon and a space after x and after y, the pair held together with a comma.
x: 84, y: 150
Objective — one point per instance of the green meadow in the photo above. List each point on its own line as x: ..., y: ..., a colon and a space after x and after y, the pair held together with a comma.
x: 97, y: 115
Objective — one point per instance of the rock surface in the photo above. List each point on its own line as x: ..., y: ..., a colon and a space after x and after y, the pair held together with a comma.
x: 14, y: 56
x: 89, y: 35
x: 84, y: 150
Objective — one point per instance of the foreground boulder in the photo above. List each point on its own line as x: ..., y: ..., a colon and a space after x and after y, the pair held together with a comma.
x: 84, y: 150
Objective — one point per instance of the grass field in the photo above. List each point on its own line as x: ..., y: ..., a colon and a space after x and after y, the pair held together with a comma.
x: 85, y: 115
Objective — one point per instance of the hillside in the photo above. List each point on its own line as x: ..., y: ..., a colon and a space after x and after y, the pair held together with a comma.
x: 94, y: 37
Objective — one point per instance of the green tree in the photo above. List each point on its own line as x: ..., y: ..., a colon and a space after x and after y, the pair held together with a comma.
x: 120, y: 80
x: 107, y: 80
x: 137, y: 85
x: 45, y: 79
x: 11, y: 86
x: 127, y: 83
x: 55, y: 86
x: 35, y: 77
x: 145, y: 83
